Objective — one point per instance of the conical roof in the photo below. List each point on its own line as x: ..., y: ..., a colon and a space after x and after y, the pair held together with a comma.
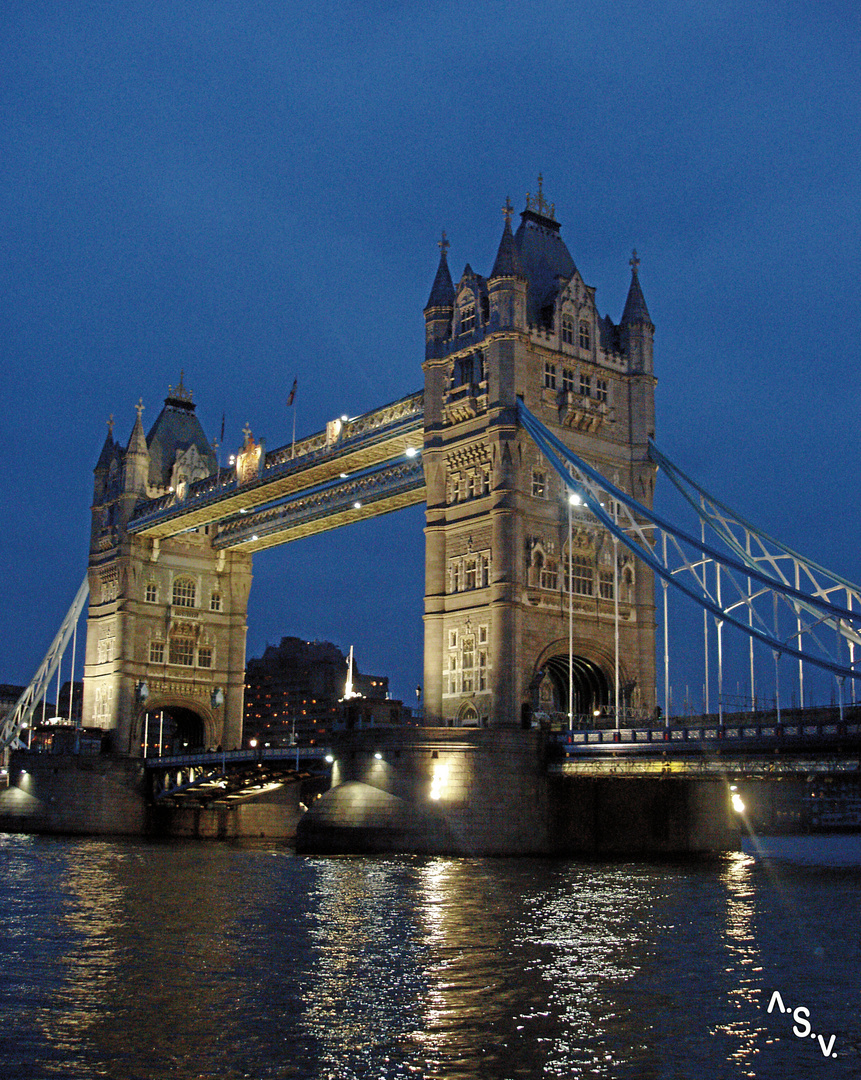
x: 507, y: 262
x: 635, y: 305
x: 442, y: 292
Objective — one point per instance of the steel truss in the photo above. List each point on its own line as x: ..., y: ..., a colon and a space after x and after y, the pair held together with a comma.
x: 22, y: 714
x: 746, y: 587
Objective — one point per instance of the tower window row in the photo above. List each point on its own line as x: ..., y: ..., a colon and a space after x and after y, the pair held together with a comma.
x: 467, y: 664
x: 468, y: 484
x: 183, y: 594
x: 468, y: 572
x: 570, y: 382
x: 181, y: 652
x: 584, y: 336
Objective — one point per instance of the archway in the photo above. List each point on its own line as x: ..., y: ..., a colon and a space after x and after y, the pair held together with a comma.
x: 172, y: 729
x: 592, y: 689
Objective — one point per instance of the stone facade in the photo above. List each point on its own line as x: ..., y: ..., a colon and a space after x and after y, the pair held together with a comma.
x: 167, y: 619
x: 497, y: 548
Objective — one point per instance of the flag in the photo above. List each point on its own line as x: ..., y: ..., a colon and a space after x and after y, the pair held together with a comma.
x: 292, y: 393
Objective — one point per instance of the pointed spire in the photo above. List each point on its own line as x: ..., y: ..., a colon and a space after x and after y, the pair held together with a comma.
x: 137, y: 439
x: 442, y: 293
x: 635, y: 305
x: 109, y: 448
x: 507, y: 262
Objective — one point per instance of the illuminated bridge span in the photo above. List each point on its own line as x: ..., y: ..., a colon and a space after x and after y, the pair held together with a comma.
x: 357, y: 468
x: 759, y: 746
x: 232, y: 775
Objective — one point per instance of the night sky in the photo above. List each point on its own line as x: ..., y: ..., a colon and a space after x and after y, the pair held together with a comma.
x: 253, y: 192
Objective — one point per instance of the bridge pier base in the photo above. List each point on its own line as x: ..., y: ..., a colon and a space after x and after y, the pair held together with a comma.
x: 489, y: 792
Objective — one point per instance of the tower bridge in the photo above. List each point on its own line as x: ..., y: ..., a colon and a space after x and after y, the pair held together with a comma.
x: 531, y: 444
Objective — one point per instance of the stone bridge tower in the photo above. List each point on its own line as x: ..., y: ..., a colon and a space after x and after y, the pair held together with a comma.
x: 497, y: 551
x: 165, y: 653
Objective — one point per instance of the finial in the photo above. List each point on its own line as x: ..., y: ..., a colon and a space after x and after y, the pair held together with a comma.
x: 140, y: 407
x: 246, y: 431
x: 539, y: 204
x: 179, y: 392
x: 443, y: 244
x: 634, y: 263
x: 111, y: 425
x: 507, y: 210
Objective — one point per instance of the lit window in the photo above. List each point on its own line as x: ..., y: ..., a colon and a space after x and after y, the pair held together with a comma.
x: 585, y: 337
x: 182, y: 652
x: 156, y: 652
x: 549, y: 376
x: 567, y: 330
x: 601, y: 389
x: 151, y: 593
x: 586, y: 385
x: 215, y: 602
x: 583, y: 576
x: 184, y: 592
x: 567, y: 379
x: 539, y: 484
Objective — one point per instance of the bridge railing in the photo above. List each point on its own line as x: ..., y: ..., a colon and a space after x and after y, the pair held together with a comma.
x: 713, y: 733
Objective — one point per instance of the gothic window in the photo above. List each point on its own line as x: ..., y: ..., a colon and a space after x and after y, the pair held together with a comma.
x: 156, y: 652
x: 182, y: 651
x: 470, y: 576
x: 463, y: 371
x: 452, y: 673
x: 567, y: 330
x: 484, y: 573
x: 549, y: 375
x: 485, y: 479
x: 582, y: 576
x: 204, y: 656
x: 539, y: 484
x: 471, y: 484
x: 605, y: 585
x: 454, y: 489
x: 452, y: 639
x: 549, y: 578
x: 455, y: 577
x: 567, y: 379
x: 184, y: 592
x: 467, y: 664
x: 601, y: 389
x: 482, y: 669
x: 215, y: 602
x: 586, y: 385
x: 482, y: 635
x: 150, y: 592
x: 585, y: 337
x: 467, y: 317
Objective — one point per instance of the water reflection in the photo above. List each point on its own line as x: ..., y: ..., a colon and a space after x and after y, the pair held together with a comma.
x: 131, y: 960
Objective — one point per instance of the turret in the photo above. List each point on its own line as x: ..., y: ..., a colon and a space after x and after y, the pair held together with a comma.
x: 440, y: 306
x: 636, y: 330
x: 136, y: 468
x: 507, y: 283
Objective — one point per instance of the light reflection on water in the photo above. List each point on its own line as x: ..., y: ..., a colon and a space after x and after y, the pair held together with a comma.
x: 127, y: 959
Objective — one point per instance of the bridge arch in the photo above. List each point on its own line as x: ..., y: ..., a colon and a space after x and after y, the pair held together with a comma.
x: 593, y: 683
x: 179, y: 724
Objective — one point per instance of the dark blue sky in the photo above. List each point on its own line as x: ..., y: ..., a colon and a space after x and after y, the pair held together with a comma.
x: 253, y: 192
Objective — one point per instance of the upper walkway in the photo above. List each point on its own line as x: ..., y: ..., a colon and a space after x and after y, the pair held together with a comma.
x: 362, y: 466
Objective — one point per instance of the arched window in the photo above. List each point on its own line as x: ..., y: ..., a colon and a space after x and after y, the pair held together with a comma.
x: 567, y: 330
x: 184, y: 592
x: 467, y: 316
x: 585, y: 336
x: 215, y: 602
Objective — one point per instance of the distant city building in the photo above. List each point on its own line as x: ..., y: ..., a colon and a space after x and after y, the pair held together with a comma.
x: 296, y: 690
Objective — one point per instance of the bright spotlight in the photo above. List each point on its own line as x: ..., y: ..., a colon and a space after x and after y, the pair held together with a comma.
x: 737, y: 803
x: 378, y: 756
x: 411, y: 451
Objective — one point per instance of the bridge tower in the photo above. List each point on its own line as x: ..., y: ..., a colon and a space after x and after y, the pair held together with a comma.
x: 165, y: 652
x: 497, y: 527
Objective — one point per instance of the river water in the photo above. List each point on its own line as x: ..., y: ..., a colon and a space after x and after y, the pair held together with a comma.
x: 129, y: 959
